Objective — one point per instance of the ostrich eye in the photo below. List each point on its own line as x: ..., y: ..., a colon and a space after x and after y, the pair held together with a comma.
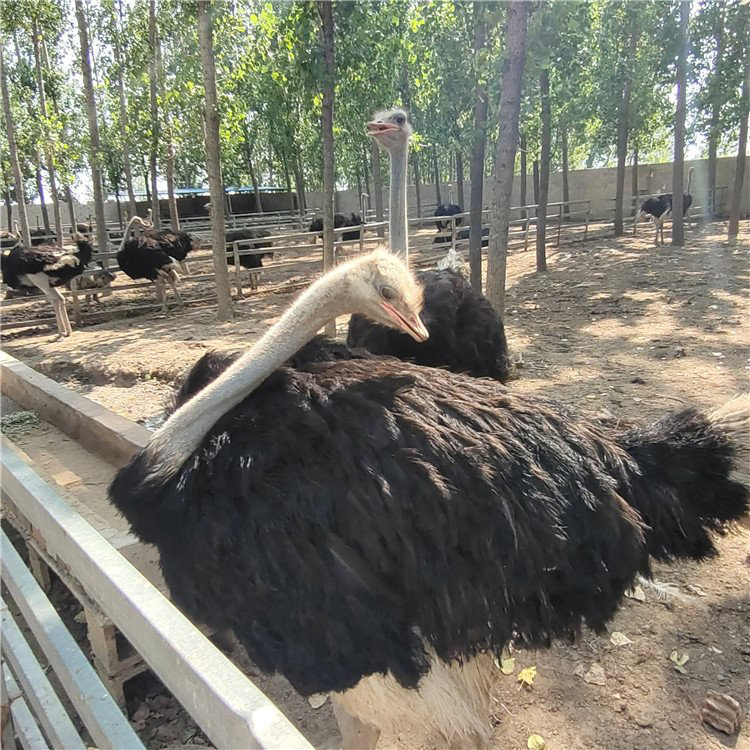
x: 400, y: 120
x: 387, y: 292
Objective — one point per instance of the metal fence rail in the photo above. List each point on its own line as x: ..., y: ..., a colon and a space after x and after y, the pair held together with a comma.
x: 225, y: 704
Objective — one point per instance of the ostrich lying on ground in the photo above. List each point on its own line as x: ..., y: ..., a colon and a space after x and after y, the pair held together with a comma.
x: 144, y: 257
x: 95, y: 284
x: 47, y: 267
x: 447, y: 209
x: 254, y: 261
x: 659, y: 208
x: 466, y: 334
x: 382, y: 530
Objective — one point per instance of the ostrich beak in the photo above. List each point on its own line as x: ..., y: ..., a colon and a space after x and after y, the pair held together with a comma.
x: 408, y: 322
x: 374, y: 129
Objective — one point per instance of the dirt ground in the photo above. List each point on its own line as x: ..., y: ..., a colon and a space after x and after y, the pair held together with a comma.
x: 614, y: 325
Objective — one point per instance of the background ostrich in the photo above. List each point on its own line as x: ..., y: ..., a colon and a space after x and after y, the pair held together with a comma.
x: 466, y: 334
x: 393, y: 527
x: 447, y: 209
x: 175, y: 244
x: 254, y: 261
x: 144, y: 257
x: 659, y: 208
x: 95, y: 284
x: 47, y: 267
x: 340, y: 220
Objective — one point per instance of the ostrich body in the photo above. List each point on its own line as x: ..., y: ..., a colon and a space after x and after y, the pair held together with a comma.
x: 447, y: 209
x: 254, y: 261
x: 145, y: 257
x: 659, y: 208
x: 45, y: 267
x: 466, y: 333
x: 339, y: 220
x: 372, y: 527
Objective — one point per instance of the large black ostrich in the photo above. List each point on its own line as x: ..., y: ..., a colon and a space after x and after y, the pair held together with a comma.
x: 659, y: 208
x: 46, y: 267
x: 381, y: 530
x: 466, y: 333
x: 176, y: 244
x: 146, y: 257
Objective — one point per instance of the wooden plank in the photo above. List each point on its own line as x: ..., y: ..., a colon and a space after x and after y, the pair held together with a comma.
x: 100, y: 430
x: 232, y: 711
x: 23, y: 720
x: 103, y: 719
x: 40, y: 694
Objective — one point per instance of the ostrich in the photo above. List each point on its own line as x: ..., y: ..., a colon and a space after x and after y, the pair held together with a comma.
x: 175, y: 244
x: 46, y: 267
x: 339, y: 220
x: 146, y: 257
x: 254, y: 261
x: 381, y: 530
x: 447, y: 209
x: 94, y: 284
x: 659, y: 208
x: 466, y: 334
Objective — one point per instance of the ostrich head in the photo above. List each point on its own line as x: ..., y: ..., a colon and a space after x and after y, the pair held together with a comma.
x: 381, y: 287
x: 390, y: 128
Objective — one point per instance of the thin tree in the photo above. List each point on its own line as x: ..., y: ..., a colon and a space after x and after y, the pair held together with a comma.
x: 102, y: 236
x: 541, y: 221
x: 505, y: 152
x: 51, y: 173
x: 565, y: 168
x: 460, y: 179
x: 417, y: 182
x: 714, y: 87
x: 251, y: 166
x: 739, y: 170
x: 120, y: 66
x: 436, y: 172
x: 623, y: 120
x: 213, y: 160
x: 325, y: 8
x: 153, y: 100
x: 478, y: 147
x: 377, y: 186
x: 10, y: 129
x: 524, y: 171
x: 678, y: 168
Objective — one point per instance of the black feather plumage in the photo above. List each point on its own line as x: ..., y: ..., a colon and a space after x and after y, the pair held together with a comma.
x: 352, y: 502
x: 466, y: 334
x: 58, y: 265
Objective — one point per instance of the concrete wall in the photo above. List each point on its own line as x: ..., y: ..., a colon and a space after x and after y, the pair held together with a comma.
x: 598, y: 185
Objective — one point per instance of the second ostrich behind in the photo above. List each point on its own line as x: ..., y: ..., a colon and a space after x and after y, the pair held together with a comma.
x: 466, y: 333
x: 146, y: 256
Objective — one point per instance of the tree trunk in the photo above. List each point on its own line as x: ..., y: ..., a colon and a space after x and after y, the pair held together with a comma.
x: 102, y: 236
x: 417, y: 183
x: 735, y: 203
x: 565, y: 170
x: 51, y: 174
x: 117, y: 202
x: 623, y: 124
x: 436, y: 174
x: 23, y: 218
x: 155, y: 125
x: 288, y: 181
x: 377, y: 186
x: 535, y: 183
x: 325, y: 8
x: 71, y: 207
x: 634, y: 180
x: 714, y: 130
x: 678, y: 177
x: 123, y: 114
x: 251, y: 169
x: 213, y: 160
x: 541, y: 222
x: 505, y: 153
x: 146, y: 181
x: 42, y: 198
x: 460, y: 179
x: 524, y: 170
x: 478, y: 147
x: 299, y: 182
x: 9, y: 209
x: 366, y: 158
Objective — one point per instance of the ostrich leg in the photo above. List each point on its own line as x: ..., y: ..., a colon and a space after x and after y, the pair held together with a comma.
x: 41, y: 281
x: 173, y: 279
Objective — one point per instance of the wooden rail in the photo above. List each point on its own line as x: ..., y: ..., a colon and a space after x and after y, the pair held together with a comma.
x: 224, y: 703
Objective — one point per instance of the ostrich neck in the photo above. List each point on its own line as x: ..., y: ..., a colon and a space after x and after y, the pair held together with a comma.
x: 183, y: 432
x: 397, y: 221
x: 126, y: 233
